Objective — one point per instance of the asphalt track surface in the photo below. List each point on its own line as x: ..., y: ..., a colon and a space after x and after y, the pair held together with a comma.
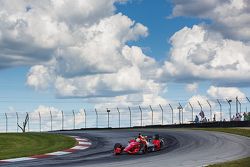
x: 184, y: 148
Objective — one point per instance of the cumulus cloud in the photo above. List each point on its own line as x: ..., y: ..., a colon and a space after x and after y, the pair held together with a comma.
x: 225, y: 92
x: 47, y: 112
x: 31, y: 32
x: 200, y: 54
x: 192, y: 87
x: 90, y: 56
x: 230, y: 17
x: 216, y: 50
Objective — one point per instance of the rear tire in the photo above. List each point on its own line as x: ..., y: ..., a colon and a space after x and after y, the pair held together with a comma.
x: 117, y: 145
x: 118, y: 148
x: 144, y: 148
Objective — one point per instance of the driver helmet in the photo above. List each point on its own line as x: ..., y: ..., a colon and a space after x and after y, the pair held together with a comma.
x: 138, y: 140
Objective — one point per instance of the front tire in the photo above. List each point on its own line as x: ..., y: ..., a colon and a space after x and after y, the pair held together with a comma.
x: 118, y: 149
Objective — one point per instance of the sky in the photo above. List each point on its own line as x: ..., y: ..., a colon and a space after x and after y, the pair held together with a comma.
x: 66, y: 55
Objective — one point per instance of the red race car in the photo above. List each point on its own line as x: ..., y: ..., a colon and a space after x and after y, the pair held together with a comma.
x: 140, y: 145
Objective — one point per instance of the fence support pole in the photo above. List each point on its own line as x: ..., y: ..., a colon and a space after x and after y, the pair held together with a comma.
x: 50, y: 120
x: 210, y: 109
x: 40, y: 121
x: 96, y: 118
x: 152, y: 112
x: 108, y: 111
x: 248, y: 99
x: 220, y: 109
x: 6, y: 122
x: 74, y: 126
x: 172, y: 113
x: 119, y: 121
x: 62, y: 119
x: 201, y: 107
x: 181, y: 113
x: 229, y: 102
x: 129, y: 116
x: 240, y: 106
x: 17, y: 121
x: 180, y: 109
x: 28, y: 121
x: 141, y: 114
x: 236, y: 105
x: 192, y: 111
x: 161, y: 114
x: 85, y: 115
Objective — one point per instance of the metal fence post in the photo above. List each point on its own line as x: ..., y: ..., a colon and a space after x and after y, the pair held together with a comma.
x: 172, y: 113
x: 108, y: 111
x: 141, y: 114
x: 6, y: 122
x: 74, y: 125
x: 40, y: 121
x: 152, y: 121
x: 85, y: 115
x: 248, y: 99
x: 181, y: 113
x: 236, y: 105
x: 220, y: 109
x: 119, y: 117
x: 129, y: 115
x: 192, y: 111
x: 180, y: 108
x: 50, y: 120
x: 96, y: 118
x: 240, y: 106
x: 201, y: 108
x: 17, y: 121
x: 62, y: 119
x: 161, y: 114
x: 229, y: 102
x: 28, y: 121
x: 210, y: 109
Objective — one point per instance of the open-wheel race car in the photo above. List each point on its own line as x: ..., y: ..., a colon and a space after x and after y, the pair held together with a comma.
x: 140, y: 145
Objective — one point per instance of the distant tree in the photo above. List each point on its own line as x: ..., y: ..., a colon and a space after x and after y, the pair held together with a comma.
x: 24, y: 123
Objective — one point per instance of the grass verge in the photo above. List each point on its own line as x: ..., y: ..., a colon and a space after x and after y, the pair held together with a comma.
x: 245, y: 162
x: 237, y: 131
x: 13, y: 145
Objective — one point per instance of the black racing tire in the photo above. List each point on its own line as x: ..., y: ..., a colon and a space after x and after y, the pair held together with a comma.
x: 144, y: 148
x: 117, y: 145
x: 162, y: 143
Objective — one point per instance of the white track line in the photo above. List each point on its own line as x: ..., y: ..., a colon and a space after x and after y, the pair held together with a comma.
x: 79, y: 147
x: 17, y: 159
x: 85, y: 143
x: 58, y: 153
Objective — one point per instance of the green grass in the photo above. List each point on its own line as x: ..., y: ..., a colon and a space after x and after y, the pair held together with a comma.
x: 13, y: 145
x: 237, y: 131
x: 245, y: 162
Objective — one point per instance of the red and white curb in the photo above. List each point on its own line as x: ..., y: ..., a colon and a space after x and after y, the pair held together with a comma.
x: 83, y: 143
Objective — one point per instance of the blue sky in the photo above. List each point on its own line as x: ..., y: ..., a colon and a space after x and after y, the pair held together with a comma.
x: 62, y: 64
x: 16, y: 93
